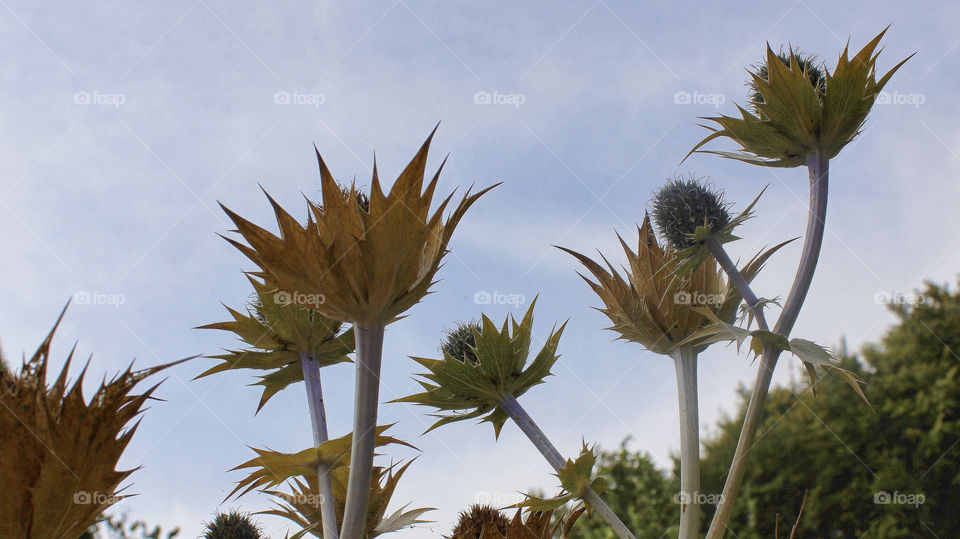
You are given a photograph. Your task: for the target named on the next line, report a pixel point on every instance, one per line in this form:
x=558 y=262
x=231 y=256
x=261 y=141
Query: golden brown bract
x=366 y=266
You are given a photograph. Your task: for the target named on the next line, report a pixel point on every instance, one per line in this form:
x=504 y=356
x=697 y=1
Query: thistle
x=365 y=261
x=485 y=377
x=301 y=505
x=277 y=332
x=292 y=343
x=794 y=118
x=808 y=64
x=232 y=525
x=486 y=522
x=60 y=450
x=665 y=302
x=798 y=121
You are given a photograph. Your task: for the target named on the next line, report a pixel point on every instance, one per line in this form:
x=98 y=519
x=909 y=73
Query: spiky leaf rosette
x=473 y=389
x=654 y=304
x=274 y=467
x=368 y=266
x=576 y=477
x=277 y=330
x=302 y=504
x=232 y=525
x=60 y=451
x=795 y=119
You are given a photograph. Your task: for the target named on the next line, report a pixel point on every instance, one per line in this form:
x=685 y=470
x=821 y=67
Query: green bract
x=474 y=389
x=277 y=330
x=576 y=477
x=795 y=119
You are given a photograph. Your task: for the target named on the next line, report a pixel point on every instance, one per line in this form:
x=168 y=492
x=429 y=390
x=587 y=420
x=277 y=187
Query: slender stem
x=367 y=398
x=549 y=452
x=685 y=360
x=318 y=418
x=818 y=167
x=736 y=278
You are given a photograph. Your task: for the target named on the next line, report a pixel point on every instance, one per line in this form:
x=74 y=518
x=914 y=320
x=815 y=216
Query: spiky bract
x=366 y=266
x=473 y=389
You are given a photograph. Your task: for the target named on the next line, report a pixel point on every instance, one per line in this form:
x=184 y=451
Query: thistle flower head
x=277 y=329
x=232 y=525
x=361 y=259
x=793 y=117
x=461 y=341
x=480 y=521
x=656 y=304
x=682 y=205
x=473 y=389
x=814 y=70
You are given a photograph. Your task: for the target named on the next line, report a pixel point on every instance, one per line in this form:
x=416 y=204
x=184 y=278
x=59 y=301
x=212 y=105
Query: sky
x=124 y=124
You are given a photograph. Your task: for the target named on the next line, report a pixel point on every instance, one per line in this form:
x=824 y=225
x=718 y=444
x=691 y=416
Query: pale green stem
x=685 y=360
x=523 y=420
x=366 y=401
x=318 y=417
x=736 y=278
x=818 y=167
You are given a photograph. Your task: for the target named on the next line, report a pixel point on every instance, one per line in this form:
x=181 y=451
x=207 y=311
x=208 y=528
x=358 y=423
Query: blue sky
x=124 y=124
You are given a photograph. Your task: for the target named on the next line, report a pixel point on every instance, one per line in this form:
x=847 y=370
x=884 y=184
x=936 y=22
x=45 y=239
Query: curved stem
x=736 y=278
x=549 y=452
x=318 y=418
x=366 y=400
x=818 y=167
x=685 y=360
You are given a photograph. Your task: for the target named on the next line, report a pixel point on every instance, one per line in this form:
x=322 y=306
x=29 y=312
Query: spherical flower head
x=232 y=525
x=461 y=342
x=683 y=205
x=816 y=74
x=480 y=521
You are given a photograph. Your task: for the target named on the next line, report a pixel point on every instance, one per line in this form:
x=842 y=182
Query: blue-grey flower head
x=683 y=204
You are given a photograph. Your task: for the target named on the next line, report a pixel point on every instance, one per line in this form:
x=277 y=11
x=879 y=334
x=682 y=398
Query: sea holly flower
x=481 y=364
x=60 y=450
x=302 y=504
x=651 y=305
x=808 y=64
x=795 y=118
x=366 y=260
x=486 y=522
x=277 y=332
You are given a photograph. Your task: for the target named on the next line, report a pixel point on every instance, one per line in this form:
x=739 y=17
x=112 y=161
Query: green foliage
x=853 y=462
x=232 y=525
x=637 y=491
